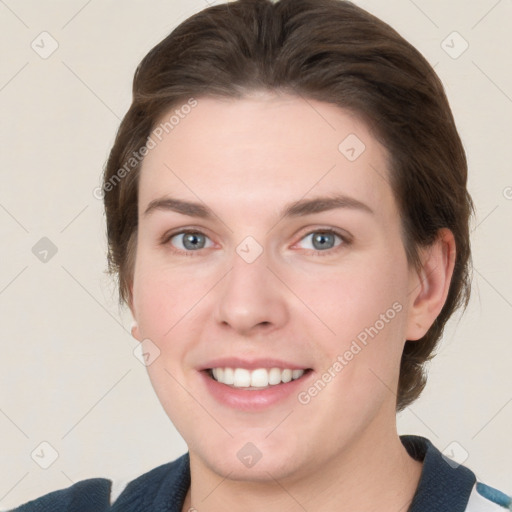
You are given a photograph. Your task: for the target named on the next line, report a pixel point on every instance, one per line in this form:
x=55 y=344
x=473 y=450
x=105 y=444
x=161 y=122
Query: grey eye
x=191 y=240
x=322 y=240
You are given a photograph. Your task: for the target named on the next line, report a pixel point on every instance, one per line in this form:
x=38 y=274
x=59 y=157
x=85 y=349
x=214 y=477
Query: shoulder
x=447 y=486
x=84 y=496
x=167 y=483
x=155 y=489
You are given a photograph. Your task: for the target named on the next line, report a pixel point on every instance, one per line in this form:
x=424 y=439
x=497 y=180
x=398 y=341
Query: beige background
x=68 y=376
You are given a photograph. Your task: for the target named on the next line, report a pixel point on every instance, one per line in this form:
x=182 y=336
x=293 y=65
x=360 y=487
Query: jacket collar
x=444 y=486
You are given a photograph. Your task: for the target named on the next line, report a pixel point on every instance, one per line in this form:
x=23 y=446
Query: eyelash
x=345 y=241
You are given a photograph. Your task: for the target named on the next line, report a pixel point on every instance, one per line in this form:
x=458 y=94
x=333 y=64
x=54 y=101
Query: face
x=262 y=273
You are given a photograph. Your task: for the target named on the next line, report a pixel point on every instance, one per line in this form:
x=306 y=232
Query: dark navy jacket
x=443 y=487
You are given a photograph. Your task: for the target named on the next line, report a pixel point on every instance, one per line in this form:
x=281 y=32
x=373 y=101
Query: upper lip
x=251 y=364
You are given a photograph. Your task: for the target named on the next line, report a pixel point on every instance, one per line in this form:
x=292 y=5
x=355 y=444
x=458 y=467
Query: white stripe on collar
x=478 y=503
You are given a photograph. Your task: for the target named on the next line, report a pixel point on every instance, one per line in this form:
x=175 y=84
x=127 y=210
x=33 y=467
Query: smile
x=259 y=378
x=255 y=390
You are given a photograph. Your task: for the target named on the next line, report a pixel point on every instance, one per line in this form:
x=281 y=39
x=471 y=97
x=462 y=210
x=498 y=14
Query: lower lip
x=253 y=400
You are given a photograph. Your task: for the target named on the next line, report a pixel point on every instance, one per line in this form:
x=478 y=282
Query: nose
x=252 y=298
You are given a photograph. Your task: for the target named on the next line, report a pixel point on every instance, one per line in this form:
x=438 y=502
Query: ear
x=135 y=331
x=430 y=284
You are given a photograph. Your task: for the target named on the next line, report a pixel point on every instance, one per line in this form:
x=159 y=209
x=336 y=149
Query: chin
x=249 y=461
x=262 y=471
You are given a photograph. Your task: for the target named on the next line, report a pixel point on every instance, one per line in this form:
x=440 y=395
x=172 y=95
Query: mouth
x=254 y=385
x=255 y=379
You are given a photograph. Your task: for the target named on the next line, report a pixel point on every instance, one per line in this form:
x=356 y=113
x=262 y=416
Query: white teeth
x=229 y=376
x=287 y=376
x=296 y=374
x=242 y=378
x=259 y=378
x=274 y=376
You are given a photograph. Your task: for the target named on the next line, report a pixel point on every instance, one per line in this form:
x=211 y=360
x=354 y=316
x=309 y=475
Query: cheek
x=163 y=295
x=153 y=305
x=364 y=310
x=350 y=300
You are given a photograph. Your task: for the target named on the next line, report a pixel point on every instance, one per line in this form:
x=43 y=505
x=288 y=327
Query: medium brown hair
x=328 y=50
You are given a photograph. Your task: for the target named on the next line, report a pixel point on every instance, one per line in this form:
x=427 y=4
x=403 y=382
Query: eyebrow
x=298 y=208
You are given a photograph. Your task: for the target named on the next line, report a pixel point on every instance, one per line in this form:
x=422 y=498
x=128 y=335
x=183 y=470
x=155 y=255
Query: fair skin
x=246 y=159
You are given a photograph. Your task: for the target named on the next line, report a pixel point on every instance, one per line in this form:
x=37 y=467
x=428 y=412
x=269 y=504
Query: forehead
x=262 y=151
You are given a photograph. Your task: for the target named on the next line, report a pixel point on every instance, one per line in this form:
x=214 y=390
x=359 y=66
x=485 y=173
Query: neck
x=367 y=476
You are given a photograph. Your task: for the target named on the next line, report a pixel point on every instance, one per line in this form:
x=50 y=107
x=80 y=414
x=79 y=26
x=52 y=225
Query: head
x=246 y=108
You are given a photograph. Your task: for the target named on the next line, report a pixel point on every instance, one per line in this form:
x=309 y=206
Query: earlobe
x=135 y=331
x=135 y=326
x=431 y=284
